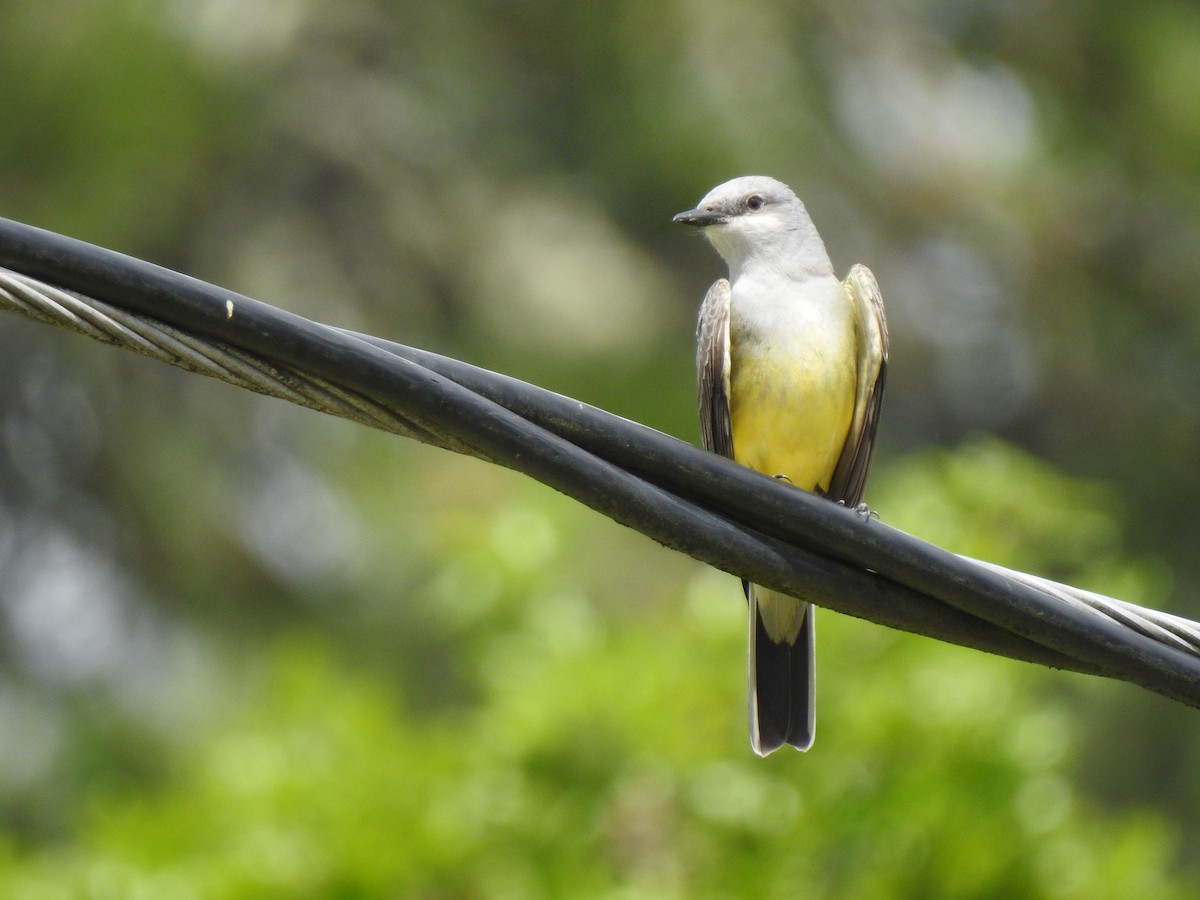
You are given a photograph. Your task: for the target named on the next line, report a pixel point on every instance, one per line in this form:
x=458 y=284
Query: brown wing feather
x=850 y=476
x=712 y=369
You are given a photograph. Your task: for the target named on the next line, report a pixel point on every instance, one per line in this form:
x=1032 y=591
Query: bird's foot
x=864 y=511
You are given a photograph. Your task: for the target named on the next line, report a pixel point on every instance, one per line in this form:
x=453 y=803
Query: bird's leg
x=862 y=509
x=866 y=512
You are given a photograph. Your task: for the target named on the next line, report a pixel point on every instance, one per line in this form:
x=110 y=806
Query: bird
x=791 y=365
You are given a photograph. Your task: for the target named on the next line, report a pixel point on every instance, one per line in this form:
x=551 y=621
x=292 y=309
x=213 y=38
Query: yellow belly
x=790 y=414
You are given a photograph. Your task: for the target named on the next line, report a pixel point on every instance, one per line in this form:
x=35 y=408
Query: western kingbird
x=791 y=366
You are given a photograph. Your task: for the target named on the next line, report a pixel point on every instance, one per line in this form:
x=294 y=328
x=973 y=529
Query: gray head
x=756 y=219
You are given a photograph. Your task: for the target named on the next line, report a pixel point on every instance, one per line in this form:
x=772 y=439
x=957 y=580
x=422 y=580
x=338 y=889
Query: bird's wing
x=712 y=369
x=850 y=476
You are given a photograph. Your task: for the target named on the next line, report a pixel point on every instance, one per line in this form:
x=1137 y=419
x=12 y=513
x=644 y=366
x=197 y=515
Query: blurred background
x=250 y=651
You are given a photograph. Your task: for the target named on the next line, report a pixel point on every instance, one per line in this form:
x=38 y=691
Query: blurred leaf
x=251 y=652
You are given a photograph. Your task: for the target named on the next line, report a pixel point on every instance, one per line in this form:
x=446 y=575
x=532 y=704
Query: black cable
x=685 y=498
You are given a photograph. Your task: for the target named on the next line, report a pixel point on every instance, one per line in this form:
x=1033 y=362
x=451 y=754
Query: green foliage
x=601 y=750
x=250 y=652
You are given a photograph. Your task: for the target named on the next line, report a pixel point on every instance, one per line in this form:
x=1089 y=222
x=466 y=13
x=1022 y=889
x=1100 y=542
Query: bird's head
x=756 y=217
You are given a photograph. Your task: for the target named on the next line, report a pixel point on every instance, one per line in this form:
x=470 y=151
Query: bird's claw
x=866 y=512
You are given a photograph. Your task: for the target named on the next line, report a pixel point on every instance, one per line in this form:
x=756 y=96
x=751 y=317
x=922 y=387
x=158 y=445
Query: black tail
x=781 y=687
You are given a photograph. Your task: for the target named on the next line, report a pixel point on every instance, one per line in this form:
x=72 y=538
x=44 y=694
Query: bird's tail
x=782 y=709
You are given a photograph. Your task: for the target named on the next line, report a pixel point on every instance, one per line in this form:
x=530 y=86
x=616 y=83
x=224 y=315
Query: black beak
x=700 y=217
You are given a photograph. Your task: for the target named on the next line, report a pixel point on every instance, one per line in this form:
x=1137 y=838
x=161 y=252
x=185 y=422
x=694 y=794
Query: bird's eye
x=754 y=203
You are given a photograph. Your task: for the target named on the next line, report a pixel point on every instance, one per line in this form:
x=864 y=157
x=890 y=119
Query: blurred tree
x=246 y=650
x=599 y=747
